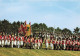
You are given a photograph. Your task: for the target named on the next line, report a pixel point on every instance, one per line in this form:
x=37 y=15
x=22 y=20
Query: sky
x=54 y=13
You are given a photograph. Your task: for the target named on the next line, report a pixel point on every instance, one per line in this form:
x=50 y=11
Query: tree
x=76 y=30
x=50 y=29
x=58 y=30
x=66 y=31
x=41 y=27
x=5 y=26
x=15 y=27
x=35 y=27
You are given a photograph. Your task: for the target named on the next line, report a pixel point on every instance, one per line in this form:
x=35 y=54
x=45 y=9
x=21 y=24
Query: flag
x=25 y=29
x=28 y=30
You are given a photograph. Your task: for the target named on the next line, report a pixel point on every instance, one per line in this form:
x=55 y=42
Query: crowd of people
x=53 y=43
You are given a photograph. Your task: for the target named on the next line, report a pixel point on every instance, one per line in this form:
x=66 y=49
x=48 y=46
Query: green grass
x=33 y=52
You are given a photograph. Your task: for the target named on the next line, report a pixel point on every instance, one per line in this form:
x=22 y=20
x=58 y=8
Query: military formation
x=31 y=42
x=69 y=43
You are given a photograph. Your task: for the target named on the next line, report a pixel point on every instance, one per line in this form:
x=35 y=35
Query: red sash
x=28 y=41
x=46 y=41
x=35 y=41
x=63 y=42
x=0 y=37
x=71 y=42
x=19 y=39
x=53 y=42
x=12 y=39
x=40 y=41
x=23 y=38
x=78 y=43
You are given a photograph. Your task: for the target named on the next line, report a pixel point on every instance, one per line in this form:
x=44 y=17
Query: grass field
x=33 y=52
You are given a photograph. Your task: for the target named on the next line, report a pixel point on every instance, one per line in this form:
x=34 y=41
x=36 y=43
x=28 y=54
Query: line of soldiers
x=63 y=44
x=37 y=43
x=14 y=41
x=20 y=41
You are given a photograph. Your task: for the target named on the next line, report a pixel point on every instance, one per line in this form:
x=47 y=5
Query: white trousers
x=51 y=45
x=21 y=42
x=2 y=43
x=18 y=43
x=64 y=46
x=12 y=44
x=6 y=42
x=15 y=42
x=38 y=45
x=35 y=45
x=46 y=45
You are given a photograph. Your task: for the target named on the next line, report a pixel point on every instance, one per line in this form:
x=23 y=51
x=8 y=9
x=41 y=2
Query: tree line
x=12 y=28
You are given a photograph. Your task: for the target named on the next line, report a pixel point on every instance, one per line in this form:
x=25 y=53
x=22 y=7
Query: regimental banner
x=28 y=32
x=25 y=29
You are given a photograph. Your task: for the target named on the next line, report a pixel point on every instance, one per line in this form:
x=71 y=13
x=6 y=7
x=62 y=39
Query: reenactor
x=79 y=45
x=47 y=43
x=15 y=41
x=57 y=44
x=41 y=43
x=3 y=38
x=63 y=44
x=76 y=45
x=25 y=41
x=51 y=44
x=67 y=44
x=12 y=41
x=28 y=42
x=60 y=44
x=6 y=41
x=51 y=37
x=31 y=42
x=36 y=42
x=71 y=44
x=54 y=43
x=22 y=41
x=18 y=42
x=0 y=40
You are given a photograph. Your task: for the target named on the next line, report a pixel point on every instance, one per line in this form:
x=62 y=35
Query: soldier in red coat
x=60 y=42
x=22 y=41
x=76 y=45
x=9 y=41
x=67 y=44
x=71 y=44
x=18 y=41
x=36 y=42
x=54 y=43
x=3 y=38
x=0 y=40
x=28 y=42
x=41 y=43
x=79 y=46
x=57 y=44
x=6 y=41
x=12 y=41
x=63 y=44
x=46 y=43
